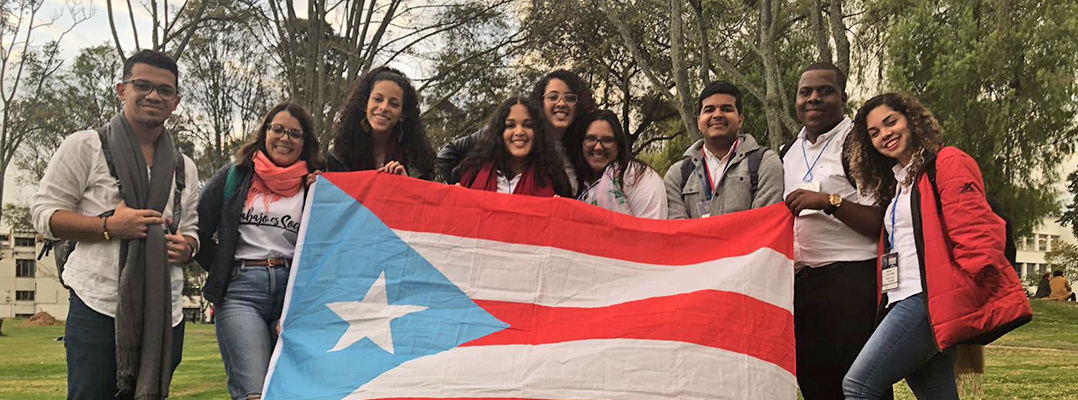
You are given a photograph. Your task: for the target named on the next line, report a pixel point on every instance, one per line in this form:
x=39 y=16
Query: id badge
x=889 y=264
x=703 y=209
x=812 y=187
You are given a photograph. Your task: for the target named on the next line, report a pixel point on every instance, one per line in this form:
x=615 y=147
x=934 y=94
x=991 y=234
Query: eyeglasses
x=280 y=130
x=145 y=87
x=553 y=97
x=607 y=142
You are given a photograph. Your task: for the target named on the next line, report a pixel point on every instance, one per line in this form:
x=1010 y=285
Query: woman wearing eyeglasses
x=249 y=219
x=380 y=129
x=515 y=155
x=611 y=178
x=565 y=98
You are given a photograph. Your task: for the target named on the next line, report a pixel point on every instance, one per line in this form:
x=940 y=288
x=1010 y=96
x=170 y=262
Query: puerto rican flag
x=407 y=289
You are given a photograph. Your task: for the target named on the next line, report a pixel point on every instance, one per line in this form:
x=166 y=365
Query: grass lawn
x=1038 y=361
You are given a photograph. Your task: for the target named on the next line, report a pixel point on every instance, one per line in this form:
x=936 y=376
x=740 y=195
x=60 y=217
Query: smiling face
x=518 y=134
x=819 y=101
x=281 y=147
x=600 y=145
x=559 y=110
x=719 y=120
x=890 y=133
x=148 y=110
x=384 y=106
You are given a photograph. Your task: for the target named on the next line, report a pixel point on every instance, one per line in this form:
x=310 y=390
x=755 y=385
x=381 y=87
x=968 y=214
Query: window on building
x=1020 y=243
x=25 y=242
x=24 y=268
x=24 y=295
x=1042 y=242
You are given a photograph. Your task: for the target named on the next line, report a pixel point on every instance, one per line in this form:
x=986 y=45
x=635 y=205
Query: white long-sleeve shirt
x=78 y=180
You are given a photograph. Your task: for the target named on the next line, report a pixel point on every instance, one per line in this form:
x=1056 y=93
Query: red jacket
x=974 y=294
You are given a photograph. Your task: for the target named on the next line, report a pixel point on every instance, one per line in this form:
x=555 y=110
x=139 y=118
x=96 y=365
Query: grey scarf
x=144 y=310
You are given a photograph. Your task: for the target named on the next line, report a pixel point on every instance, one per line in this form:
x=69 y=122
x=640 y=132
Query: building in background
x=28 y=285
x=1031 y=249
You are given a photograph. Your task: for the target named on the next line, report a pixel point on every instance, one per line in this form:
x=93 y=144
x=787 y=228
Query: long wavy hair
x=872 y=170
x=256 y=141
x=353 y=144
x=625 y=160
x=585 y=106
x=543 y=159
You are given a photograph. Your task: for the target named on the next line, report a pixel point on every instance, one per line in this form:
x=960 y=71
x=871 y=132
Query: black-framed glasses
x=145 y=87
x=607 y=142
x=553 y=97
x=280 y=130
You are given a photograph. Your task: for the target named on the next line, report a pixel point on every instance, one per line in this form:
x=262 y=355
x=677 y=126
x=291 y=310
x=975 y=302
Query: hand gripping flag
x=406 y=289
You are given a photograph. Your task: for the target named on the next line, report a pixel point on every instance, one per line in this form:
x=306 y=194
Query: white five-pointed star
x=370 y=318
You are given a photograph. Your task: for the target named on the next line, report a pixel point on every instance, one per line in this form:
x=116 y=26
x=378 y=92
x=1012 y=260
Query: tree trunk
x=769 y=12
x=838 y=34
x=681 y=73
x=820 y=29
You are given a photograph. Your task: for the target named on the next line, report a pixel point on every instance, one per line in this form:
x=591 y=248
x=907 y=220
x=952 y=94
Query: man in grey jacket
x=725 y=171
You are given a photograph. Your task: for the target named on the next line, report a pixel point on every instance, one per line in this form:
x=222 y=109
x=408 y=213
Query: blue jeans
x=903 y=346
x=90 y=340
x=247 y=326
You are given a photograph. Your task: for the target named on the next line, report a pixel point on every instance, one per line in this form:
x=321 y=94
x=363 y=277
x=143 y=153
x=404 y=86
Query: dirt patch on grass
x=43 y=319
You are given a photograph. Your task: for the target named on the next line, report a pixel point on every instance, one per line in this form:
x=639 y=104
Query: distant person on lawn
x=1061 y=287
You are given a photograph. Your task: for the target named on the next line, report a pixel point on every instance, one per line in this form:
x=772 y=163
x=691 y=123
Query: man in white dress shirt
x=835 y=235
x=115 y=191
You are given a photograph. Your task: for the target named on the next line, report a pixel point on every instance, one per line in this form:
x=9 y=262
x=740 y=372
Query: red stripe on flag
x=723 y=320
x=409 y=204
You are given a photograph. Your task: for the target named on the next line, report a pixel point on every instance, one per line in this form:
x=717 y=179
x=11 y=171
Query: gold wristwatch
x=836 y=202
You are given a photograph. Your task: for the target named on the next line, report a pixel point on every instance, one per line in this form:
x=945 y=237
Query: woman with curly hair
x=515 y=155
x=942 y=264
x=249 y=218
x=611 y=177
x=379 y=128
x=566 y=100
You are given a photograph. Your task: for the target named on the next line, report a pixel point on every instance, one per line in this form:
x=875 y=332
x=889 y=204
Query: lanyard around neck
x=709 y=186
x=894 y=210
x=809 y=176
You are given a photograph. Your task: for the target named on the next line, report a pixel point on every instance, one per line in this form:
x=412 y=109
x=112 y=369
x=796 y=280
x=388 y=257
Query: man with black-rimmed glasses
x=120 y=193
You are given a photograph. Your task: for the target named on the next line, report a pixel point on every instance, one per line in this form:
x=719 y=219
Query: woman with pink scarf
x=252 y=214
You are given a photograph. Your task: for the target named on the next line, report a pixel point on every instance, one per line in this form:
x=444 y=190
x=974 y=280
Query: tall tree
x=1000 y=77
x=171 y=28
x=25 y=68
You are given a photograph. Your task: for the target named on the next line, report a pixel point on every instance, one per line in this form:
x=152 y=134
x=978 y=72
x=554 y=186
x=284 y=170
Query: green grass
x=1038 y=361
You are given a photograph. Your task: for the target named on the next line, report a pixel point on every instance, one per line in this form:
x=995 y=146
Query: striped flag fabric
x=405 y=289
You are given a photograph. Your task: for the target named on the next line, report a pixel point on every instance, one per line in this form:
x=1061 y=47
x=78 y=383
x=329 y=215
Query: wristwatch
x=835 y=201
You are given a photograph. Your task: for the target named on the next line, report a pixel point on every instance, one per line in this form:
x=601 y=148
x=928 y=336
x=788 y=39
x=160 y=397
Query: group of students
x=888 y=221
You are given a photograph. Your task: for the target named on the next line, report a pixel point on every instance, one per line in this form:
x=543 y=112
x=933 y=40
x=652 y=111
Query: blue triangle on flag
x=346 y=247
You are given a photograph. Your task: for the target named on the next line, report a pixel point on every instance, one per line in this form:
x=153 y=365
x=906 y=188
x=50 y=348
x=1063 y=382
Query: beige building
x=28 y=285
x=1031 y=249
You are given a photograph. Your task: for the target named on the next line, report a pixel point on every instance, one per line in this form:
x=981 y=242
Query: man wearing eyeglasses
x=120 y=192
x=725 y=171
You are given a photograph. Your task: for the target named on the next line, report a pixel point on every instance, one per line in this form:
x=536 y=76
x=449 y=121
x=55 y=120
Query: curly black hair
x=543 y=159
x=872 y=170
x=353 y=146
x=585 y=106
x=625 y=159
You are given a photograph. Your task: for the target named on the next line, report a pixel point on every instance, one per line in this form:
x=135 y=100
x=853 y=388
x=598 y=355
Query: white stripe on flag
x=489 y=270
x=594 y=369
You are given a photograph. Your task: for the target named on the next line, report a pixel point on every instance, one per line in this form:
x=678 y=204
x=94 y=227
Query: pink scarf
x=273 y=181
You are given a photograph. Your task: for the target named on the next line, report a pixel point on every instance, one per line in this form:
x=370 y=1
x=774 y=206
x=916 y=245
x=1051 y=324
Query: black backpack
x=1009 y=250
x=754 y=157
x=62 y=248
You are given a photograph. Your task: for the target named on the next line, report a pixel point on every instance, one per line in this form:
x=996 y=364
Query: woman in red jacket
x=943 y=273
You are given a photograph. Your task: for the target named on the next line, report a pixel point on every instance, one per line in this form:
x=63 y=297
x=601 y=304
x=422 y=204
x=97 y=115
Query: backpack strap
x=108 y=158
x=786 y=147
x=231 y=181
x=686 y=171
x=755 y=157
